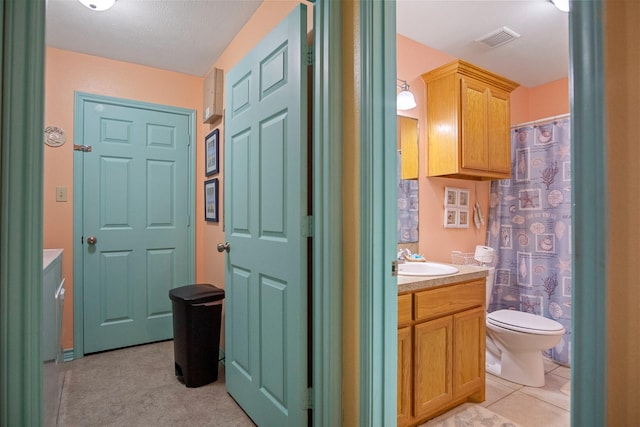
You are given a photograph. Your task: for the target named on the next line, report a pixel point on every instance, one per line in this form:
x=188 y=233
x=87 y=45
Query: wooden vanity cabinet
x=441 y=345
x=468 y=121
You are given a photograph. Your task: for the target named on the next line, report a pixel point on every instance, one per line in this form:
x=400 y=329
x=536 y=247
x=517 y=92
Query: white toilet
x=515 y=342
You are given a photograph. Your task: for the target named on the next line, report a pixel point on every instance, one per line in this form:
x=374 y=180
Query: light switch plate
x=61 y=194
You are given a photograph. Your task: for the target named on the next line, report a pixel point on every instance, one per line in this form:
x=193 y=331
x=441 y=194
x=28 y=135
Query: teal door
x=265 y=181
x=135 y=220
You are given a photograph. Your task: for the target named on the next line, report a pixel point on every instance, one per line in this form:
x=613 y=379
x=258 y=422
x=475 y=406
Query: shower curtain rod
x=546 y=119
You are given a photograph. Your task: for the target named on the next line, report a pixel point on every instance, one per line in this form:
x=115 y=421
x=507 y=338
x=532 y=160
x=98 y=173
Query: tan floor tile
x=495 y=390
x=529 y=411
x=506 y=383
x=549 y=365
x=551 y=392
x=562 y=371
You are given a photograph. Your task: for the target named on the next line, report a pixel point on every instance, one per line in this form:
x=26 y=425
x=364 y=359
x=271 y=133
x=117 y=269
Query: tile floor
x=531 y=406
x=137 y=386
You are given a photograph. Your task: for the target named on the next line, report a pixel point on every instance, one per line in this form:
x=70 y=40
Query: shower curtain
x=530 y=228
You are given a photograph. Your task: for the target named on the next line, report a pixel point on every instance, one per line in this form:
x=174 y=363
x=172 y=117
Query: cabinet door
x=499 y=141
x=405 y=362
x=469 y=354
x=432 y=353
x=474 y=153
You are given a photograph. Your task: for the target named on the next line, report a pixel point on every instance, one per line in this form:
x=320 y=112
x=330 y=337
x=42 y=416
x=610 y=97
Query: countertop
x=465 y=273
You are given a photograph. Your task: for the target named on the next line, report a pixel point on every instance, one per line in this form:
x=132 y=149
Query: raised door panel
x=432 y=352
x=469 y=354
x=474 y=152
x=442 y=126
x=404 y=309
x=405 y=371
x=498 y=119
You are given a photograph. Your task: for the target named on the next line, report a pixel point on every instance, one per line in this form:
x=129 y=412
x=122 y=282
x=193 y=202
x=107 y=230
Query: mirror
x=407 y=179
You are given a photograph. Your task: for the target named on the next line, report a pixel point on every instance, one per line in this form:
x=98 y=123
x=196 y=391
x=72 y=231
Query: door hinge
x=308 y=227
x=309 y=398
x=188 y=220
x=85 y=148
x=394 y=268
x=309 y=55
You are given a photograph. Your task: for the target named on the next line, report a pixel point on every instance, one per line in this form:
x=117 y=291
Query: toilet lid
x=524 y=322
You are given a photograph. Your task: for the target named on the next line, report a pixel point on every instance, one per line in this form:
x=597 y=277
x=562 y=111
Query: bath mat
x=470 y=416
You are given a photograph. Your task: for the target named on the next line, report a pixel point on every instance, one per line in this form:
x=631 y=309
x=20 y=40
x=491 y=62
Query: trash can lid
x=196 y=294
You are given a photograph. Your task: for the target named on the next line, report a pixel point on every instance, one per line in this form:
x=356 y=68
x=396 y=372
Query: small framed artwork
x=463 y=219
x=450 y=197
x=450 y=218
x=211 y=200
x=456 y=207
x=463 y=198
x=212 y=151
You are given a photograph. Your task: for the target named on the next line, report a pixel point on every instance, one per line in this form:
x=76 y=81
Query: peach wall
x=547 y=100
x=527 y=104
x=65 y=73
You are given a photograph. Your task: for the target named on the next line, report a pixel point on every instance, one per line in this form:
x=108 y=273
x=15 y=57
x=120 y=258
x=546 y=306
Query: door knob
x=92 y=240
x=224 y=247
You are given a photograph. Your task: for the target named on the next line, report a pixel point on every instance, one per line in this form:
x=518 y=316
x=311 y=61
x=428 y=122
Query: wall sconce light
x=98 y=5
x=562 y=5
x=405 y=99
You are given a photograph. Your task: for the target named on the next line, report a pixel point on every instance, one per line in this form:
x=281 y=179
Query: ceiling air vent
x=499 y=37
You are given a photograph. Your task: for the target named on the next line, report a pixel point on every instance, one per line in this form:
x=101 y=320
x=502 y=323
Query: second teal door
x=135 y=220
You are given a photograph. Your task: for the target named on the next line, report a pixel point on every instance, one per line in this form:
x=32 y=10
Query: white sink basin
x=425 y=269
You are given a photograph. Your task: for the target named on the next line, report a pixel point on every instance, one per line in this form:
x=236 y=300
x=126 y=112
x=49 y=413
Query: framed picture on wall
x=450 y=218
x=463 y=219
x=212 y=151
x=450 y=197
x=463 y=198
x=211 y=200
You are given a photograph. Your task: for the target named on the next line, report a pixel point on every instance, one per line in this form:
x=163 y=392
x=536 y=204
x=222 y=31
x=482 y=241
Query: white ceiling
x=188 y=36
x=540 y=55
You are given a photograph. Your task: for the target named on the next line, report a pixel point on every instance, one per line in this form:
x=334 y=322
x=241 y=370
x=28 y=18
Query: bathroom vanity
x=441 y=343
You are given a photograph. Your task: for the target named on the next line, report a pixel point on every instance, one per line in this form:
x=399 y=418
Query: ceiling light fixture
x=562 y=5
x=98 y=5
x=405 y=99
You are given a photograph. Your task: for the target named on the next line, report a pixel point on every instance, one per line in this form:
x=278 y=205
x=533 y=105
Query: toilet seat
x=524 y=322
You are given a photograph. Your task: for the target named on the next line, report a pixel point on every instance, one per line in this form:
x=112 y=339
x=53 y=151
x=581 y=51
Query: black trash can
x=197 y=314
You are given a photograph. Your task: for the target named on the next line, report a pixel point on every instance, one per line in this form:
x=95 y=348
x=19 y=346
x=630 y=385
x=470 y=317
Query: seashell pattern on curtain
x=529 y=226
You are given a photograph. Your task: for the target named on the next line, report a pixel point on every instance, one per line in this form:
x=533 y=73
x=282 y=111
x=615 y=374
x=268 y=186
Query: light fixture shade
x=562 y=5
x=98 y=5
x=405 y=100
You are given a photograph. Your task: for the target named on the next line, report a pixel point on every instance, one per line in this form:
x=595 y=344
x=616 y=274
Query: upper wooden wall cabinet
x=212 y=96
x=468 y=121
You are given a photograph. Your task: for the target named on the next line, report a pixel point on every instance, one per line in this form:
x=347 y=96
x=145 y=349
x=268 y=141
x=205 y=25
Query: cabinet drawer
x=449 y=299
x=404 y=309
